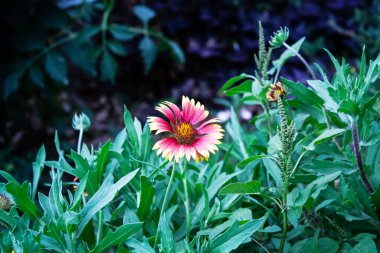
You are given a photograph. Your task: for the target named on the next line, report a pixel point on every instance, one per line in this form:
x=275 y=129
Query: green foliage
x=95 y=47
x=303 y=177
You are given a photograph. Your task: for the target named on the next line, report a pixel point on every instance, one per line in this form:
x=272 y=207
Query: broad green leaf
x=22 y=199
x=366 y=245
x=247 y=161
x=51 y=244
x=108 y=66
x=251 y=187
x=36 y=75
x=122 y=32
x=166 y=235
x=284 y=57
x=102 y=197
x=302 y=93
x=176 y=52
x=376 y=197
x=146 y=198
x=55 y=66
x=326 y=244
x=117 y=48
x=121 y=234
x=242 y=83
x=12 y=83
x=349 y=107
x=326 y=135
x=143 y=13
x=235 y=235
x=148 y=52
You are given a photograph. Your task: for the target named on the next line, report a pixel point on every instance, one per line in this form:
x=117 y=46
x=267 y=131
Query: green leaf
x=6 y=217
x=38 y=166
x=148 y=52
x=55 y=66
x=247 y=161
x=176 y=52
x=349 y=107
x=108 y=67
x=376 y=197
x=121 y=234
x=326 y=135
x=144 y=13
x=250 y=187
x=140 y=247
x=36 y=75
x=284 y=57
x=22 y=199
x=366 y=245
x=302 y=93
x=12 y=83
x=122 y=32
x=146 y=198
x=102 y=159
x=235 y=235
x=117 y=48
x=102 y=197
x=242 y=83
x=130 y=127
x=326 y=244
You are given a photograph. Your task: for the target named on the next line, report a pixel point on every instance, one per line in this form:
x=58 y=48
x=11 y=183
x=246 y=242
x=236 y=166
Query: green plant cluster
x=75 y=36
x=302 y=177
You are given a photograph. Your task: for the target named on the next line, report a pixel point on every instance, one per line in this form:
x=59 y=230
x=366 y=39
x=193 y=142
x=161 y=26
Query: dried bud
x=5 y=202
x=275 y=90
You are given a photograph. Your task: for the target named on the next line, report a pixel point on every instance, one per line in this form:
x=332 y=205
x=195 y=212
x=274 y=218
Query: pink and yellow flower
x=186 y=132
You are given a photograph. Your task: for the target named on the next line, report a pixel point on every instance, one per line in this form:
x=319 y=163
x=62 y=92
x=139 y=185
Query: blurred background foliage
x=62 y=57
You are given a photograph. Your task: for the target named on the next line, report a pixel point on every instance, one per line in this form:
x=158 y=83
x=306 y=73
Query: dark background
x=218 y=39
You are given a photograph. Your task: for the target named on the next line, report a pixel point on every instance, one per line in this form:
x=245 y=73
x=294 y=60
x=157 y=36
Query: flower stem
x=187 y=203
x=164 y=203
x=301 y=59
x=358 y=157
x=284 y=215
x=80 y=140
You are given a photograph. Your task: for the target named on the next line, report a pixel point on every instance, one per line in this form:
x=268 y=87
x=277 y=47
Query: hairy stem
x=164 y=203
x=302 y=60
x=358 y=157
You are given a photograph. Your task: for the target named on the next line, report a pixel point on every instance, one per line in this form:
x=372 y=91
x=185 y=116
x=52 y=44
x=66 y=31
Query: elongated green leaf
x=102 y=159
x=140 y=247
x=38 y=166
x=250 y=187
x=247 y=161
x=304 y=94
x=122 y=32
x=237 y=81
x=108 y=67
x=22 y=199
x=326 y=135
x=102 y=197
x=148 y=53
x=235 y=235
x=284 y=57
x=121 y=234
x=146 y=198
x=129 y=125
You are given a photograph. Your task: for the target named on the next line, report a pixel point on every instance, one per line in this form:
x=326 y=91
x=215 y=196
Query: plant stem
x=163 y=207
x=284 y=215
x=187 y=203
x=80 y=140
x=302 y=60
x=358 y=156
x=268 y=120
x=100 y=227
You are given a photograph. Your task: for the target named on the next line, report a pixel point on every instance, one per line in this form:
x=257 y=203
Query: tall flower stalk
x=186 y=133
